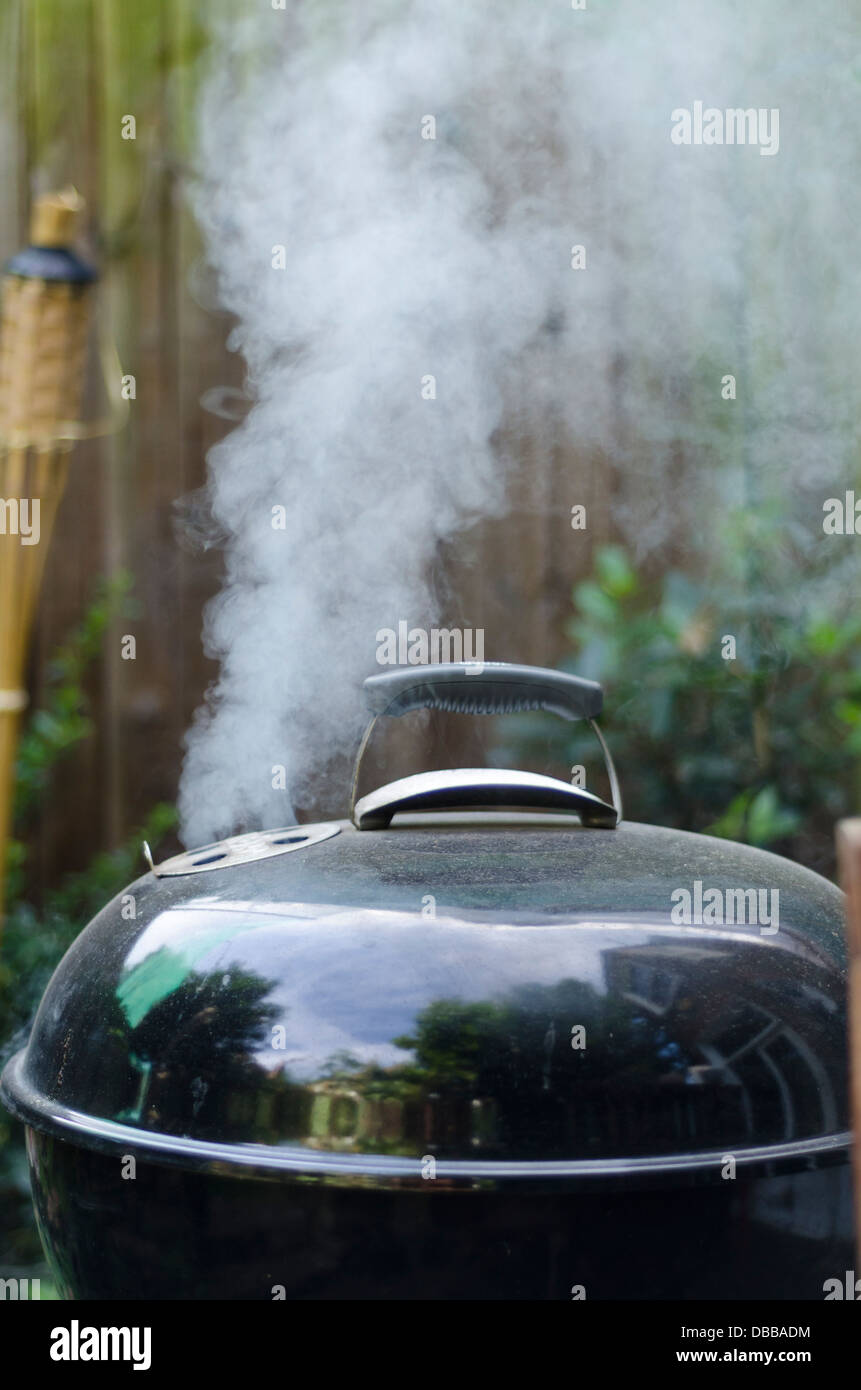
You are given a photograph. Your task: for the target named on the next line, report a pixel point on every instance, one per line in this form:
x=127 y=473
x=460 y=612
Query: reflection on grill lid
x=504 y=1000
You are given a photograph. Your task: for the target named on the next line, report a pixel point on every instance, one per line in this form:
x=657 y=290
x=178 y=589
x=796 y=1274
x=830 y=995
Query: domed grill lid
x=494 y=997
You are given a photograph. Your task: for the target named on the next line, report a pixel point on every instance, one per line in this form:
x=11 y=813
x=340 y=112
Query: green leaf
x=616 y=574
x=756 y=818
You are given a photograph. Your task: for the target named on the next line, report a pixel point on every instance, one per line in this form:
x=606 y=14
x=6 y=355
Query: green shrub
x=33 y=941
x=761 y=748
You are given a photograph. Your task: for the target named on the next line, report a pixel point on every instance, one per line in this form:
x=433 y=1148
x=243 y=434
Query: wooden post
x=849 y=858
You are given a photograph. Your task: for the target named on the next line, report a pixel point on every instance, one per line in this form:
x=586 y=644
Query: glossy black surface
x=377 y=999
x=347 y=1071
x=173 y=1234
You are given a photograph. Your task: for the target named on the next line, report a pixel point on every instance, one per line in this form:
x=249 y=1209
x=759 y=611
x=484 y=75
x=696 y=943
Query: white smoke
x=450 y=257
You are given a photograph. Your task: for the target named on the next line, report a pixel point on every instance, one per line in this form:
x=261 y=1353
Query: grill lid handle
x=483 y=687
x=470 y=787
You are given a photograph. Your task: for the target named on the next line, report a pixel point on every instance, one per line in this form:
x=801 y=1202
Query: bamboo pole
x=849 y=858
x=43 y=337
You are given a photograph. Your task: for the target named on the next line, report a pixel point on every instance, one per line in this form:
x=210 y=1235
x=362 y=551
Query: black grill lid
x=471 y=998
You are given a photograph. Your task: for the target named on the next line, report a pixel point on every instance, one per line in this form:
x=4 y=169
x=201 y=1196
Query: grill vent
x=244 y=849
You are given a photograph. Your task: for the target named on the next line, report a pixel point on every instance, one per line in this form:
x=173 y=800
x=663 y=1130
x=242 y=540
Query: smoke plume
x=428 y=168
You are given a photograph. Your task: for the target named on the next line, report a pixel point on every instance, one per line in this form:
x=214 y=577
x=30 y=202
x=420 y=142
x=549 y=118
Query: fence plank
x=513 y=575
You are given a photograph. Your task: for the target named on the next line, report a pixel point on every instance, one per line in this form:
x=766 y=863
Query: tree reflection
x=196 y=1052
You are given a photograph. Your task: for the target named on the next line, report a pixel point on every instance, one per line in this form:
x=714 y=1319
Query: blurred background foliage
x=40 y=925
x=757 y=742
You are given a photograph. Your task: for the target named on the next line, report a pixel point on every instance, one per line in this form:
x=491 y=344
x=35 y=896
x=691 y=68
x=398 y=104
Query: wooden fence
x=70 y=72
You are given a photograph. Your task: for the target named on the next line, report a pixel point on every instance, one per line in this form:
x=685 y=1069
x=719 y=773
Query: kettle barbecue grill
x=464 y=1044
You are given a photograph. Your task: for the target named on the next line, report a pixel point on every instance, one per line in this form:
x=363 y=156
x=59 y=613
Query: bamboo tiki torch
x=43 y=342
